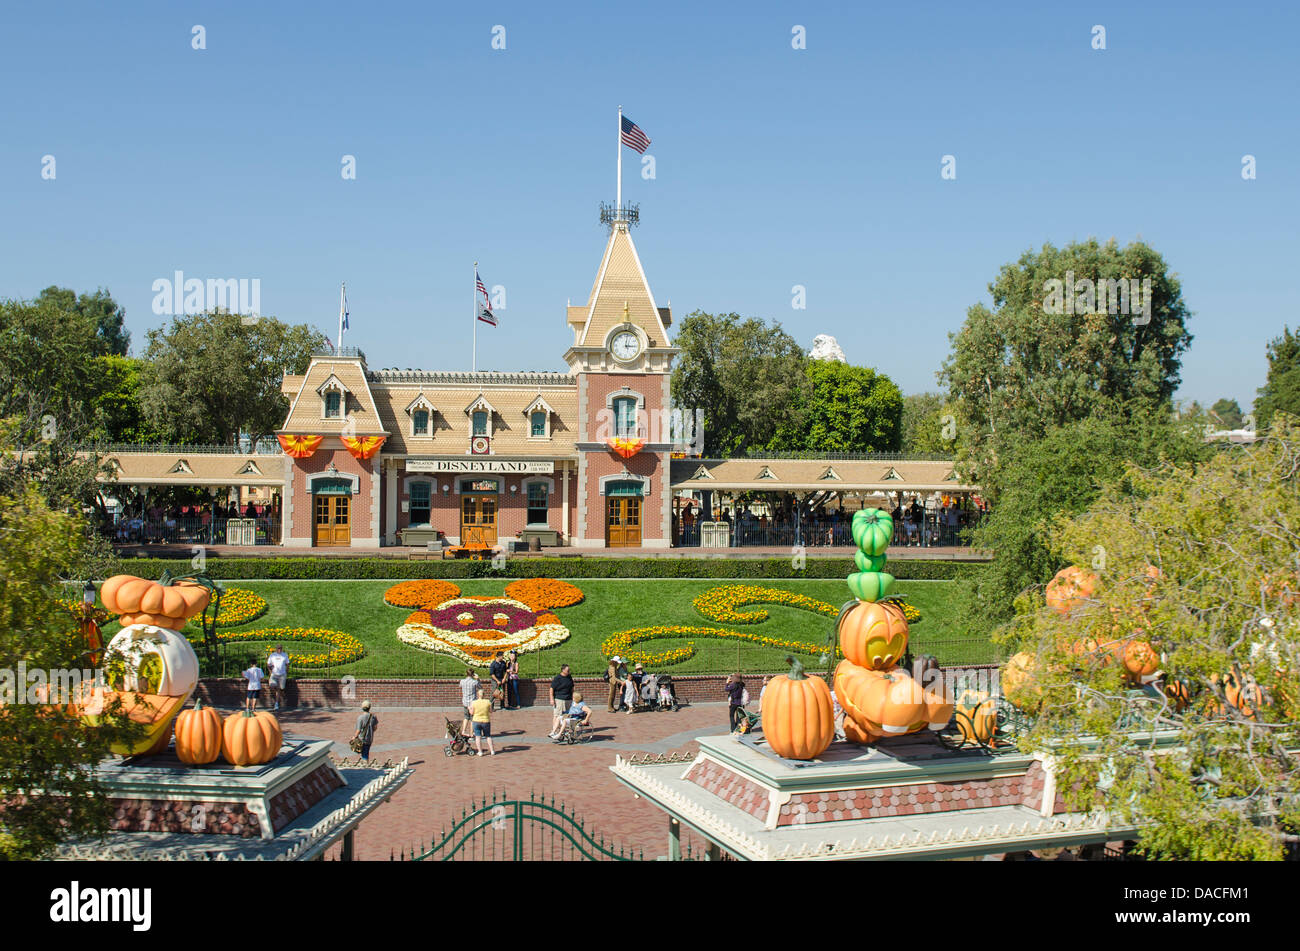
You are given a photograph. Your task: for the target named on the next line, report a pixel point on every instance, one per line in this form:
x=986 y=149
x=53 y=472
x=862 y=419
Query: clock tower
x=622 y=359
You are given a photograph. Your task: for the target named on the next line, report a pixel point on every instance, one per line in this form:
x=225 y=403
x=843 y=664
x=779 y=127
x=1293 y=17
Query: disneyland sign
x=478 y=465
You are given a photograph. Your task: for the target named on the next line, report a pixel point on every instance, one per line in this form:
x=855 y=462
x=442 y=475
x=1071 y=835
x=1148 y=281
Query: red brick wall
x=331 y=450
x=601 y=464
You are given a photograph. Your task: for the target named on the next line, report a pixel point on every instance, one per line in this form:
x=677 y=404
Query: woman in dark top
x=735 y=688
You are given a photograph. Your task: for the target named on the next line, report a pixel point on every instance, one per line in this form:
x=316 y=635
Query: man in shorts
x=468 y=692
x=254 y=676
x=277 y=668
x=561 y=695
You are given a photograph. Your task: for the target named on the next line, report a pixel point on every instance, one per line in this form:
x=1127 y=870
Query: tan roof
x=450 y=425
x=181 y=467
x=855 y=475
x=620 y=280
x=291 y=383
x=307 y=410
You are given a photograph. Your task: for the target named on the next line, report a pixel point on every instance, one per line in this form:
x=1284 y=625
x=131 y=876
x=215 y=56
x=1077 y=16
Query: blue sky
x=774 y=166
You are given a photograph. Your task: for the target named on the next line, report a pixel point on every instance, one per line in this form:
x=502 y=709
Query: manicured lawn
x=358 y=608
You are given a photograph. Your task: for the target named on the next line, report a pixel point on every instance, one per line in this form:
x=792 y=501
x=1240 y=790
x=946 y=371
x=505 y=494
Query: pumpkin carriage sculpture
x=152 y=671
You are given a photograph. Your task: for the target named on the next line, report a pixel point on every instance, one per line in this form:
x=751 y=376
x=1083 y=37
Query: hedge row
x=233 y=569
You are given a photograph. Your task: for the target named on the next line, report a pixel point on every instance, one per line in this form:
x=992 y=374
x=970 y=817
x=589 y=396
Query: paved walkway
x=526 y=760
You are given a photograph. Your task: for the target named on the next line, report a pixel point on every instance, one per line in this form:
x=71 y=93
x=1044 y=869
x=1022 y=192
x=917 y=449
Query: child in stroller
x=667 y=693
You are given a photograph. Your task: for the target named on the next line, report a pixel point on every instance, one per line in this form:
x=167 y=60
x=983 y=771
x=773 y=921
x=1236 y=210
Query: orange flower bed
x=420 y=593
x=542 y=593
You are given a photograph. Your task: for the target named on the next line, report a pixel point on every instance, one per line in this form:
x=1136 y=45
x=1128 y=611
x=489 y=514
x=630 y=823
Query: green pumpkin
x=867 y=562
x=872 y=531
x=870 y=585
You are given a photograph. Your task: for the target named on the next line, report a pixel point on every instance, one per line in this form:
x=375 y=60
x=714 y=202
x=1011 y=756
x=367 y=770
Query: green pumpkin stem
x=796 y=668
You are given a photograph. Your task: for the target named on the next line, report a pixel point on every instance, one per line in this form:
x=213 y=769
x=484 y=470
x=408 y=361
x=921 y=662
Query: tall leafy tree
x=1227 y=413
x=47 y=782
x=118 y=402
x=746 y=376
x=1281 y=390
x=844 y=409
x=1038 y=479
x=107 y=315
x=1021 y=369
x=929 y=424
x=211 y=377
x=1222 y=537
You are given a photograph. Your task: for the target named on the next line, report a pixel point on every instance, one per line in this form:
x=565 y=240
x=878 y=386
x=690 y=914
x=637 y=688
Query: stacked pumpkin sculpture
x=878 y=697
x=153 y=671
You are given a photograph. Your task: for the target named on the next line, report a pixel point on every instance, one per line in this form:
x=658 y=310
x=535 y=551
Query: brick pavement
x=526 y=760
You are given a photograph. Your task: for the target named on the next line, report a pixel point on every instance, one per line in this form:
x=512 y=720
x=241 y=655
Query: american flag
x=485 y=312
x=633 y=137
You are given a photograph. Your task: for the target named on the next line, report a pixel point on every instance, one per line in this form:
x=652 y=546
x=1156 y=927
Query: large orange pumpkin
x=872 y=634
x=1140 y=660
x=141 y=601
x=977 y=716
x=1018 y=681
x=250 y=738
x=1069 y=588
x=880 y=701
x=198 y=735
x=798 y=718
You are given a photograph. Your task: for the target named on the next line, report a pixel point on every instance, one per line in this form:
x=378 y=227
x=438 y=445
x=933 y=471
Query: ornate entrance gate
x=521 y=830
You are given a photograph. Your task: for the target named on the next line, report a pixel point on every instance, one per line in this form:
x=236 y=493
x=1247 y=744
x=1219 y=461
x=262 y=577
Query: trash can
x=535 y=543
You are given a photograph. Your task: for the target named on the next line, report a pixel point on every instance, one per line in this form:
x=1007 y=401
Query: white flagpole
x=473 y=313
x=342 y=297
x=618 y=201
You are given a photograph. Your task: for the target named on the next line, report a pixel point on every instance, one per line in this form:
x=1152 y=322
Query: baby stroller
x=666 y=694
x=457 y=742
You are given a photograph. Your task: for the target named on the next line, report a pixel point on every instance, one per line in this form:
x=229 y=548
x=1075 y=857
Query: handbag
x=357 y=743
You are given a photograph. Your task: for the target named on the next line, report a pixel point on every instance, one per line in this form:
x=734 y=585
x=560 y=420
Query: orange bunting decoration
x=299 y=447
x=625 y=447
x=364 y=447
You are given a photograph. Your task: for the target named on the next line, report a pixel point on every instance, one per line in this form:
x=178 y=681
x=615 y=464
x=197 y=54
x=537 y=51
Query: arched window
x=538 y=421
x=625 y=416
x=421 y=418
x=333 y=403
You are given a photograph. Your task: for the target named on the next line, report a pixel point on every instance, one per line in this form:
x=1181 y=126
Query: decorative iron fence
x=197 y=530
x=521 y=830
x=925 y=533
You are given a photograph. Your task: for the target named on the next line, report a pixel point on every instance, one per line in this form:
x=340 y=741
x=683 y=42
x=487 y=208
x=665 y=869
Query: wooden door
x=478 y=520
x=332 y=517
x=623 y=524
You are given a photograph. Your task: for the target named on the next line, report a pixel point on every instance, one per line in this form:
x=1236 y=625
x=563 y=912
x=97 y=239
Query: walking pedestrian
x=481 y=713
x=737 y=697
x=254 y=676
x=367 y=723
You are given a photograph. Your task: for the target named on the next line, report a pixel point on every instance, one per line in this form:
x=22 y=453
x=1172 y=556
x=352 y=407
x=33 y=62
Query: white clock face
x=625 y=346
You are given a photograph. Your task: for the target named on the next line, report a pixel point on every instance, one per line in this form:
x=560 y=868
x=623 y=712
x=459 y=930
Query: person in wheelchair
x=578 y=715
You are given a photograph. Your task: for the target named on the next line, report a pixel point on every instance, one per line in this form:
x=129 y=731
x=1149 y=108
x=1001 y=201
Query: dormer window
x=480 y=417
x=333 y=396
x=538 y=413
x=480 y=423
x=421 y=412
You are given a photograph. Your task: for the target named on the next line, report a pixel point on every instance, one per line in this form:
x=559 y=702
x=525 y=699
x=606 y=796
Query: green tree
x=748 y=378
x=844 y=409
x=1221 y=611
x=47 y=359
x=119 y=407
x=1037 y=479
x=47 y=782
x=1281 y=390
x=1018 y=370
x=1226 y=413
x=929 y=424
x=211 y=377
x=108 y=317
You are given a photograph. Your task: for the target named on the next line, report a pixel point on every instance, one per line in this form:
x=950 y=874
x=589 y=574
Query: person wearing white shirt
x=254 y=676
x=277 y=666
